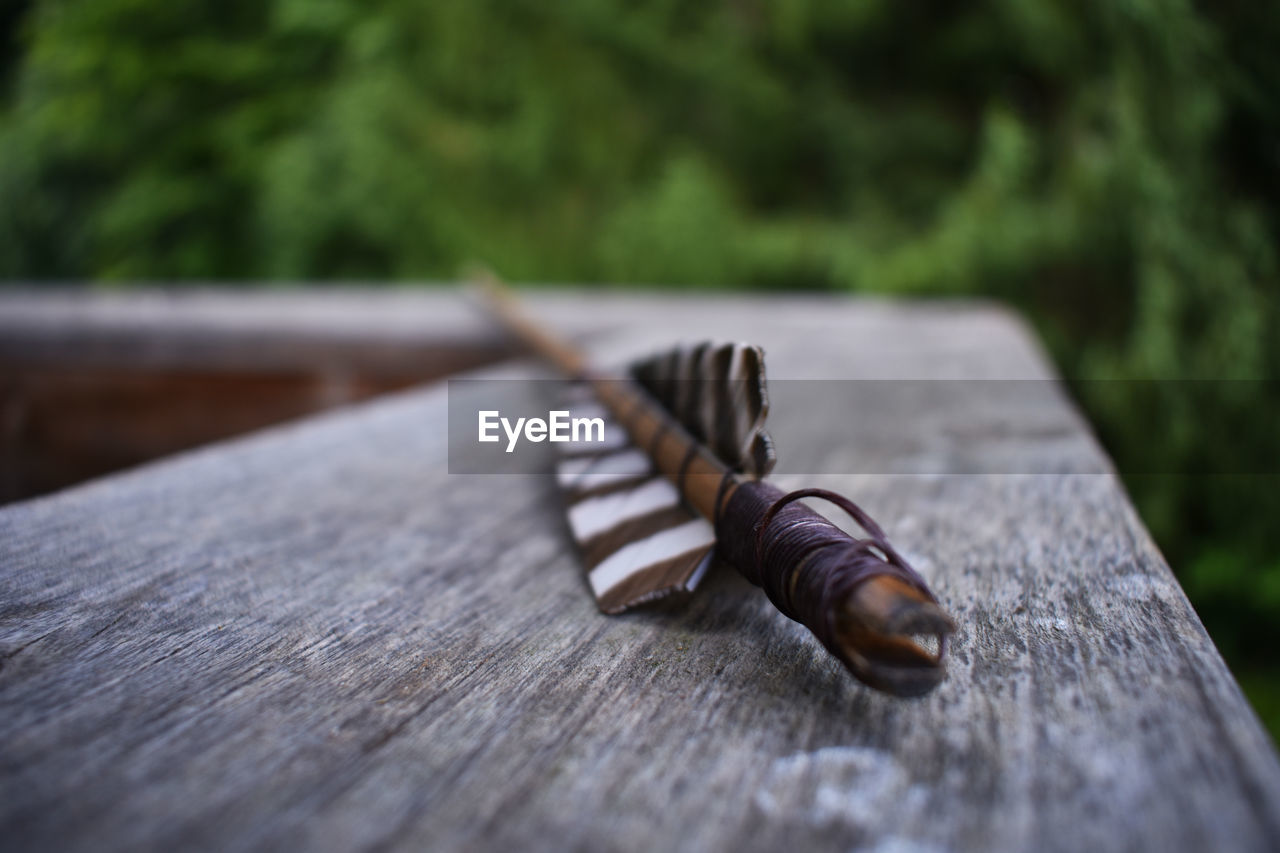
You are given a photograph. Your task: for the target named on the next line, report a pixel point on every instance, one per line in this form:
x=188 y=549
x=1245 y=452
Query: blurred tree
x=1111 y=168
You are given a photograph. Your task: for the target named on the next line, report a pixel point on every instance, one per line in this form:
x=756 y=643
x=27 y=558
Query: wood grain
x=316 y=637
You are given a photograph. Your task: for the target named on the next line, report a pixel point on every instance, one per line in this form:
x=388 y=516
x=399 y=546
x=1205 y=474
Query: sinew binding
x=679 y=478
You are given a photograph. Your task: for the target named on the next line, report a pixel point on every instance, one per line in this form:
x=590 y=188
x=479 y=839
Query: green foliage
x=1110 y=168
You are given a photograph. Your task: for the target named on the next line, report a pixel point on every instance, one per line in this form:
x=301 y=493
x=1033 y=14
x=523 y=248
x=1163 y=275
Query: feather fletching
x=639 y=541
x=718 y=393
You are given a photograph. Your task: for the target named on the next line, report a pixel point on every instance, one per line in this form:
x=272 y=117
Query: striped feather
x=638 y=540
x=717 y=392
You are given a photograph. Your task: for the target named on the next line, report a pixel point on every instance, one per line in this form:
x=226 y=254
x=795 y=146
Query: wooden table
x=315 y=637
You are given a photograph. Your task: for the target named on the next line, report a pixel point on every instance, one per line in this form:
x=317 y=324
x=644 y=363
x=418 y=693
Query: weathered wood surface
x=92 y=383
x=388 y=332
x=316 y=637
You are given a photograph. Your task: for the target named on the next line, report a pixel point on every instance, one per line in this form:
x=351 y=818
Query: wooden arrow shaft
x=700 y=477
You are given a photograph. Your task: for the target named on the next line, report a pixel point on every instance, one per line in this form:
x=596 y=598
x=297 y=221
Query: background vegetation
x=1110 y=167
